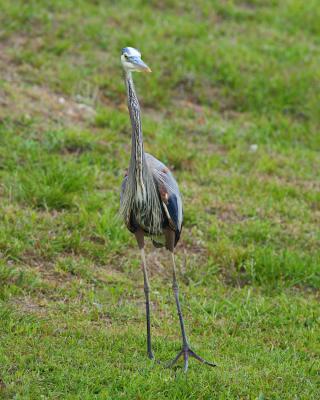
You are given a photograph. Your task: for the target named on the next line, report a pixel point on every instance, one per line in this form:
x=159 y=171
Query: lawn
x=232 y=107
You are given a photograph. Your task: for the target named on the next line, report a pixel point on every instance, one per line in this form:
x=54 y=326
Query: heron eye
x=126 y=56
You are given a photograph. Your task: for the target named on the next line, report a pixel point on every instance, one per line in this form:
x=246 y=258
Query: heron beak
x=139 y=64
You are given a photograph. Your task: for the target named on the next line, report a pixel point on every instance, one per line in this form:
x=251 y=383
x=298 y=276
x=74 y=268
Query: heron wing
x=169 y=193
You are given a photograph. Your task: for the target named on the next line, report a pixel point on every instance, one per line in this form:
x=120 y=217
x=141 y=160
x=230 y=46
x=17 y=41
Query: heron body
x=163 y=212
x=150 y=200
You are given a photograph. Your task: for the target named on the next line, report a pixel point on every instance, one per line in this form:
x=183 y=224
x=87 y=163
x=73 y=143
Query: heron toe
x=186 y=352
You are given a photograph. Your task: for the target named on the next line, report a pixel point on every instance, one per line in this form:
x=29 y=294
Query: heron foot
x=185 y=353
x=151 y=355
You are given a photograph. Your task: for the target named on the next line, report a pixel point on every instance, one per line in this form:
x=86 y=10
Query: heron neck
x=137 y=153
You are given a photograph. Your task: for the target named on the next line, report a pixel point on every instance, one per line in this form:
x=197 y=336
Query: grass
x=232 y=107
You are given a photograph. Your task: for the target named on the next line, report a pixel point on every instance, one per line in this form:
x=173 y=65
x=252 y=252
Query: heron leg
x=140 y=240
x=147 y=295
x=186 y=350
x=175 y=288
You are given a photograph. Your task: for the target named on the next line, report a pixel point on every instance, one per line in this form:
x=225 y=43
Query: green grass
x=232 y=106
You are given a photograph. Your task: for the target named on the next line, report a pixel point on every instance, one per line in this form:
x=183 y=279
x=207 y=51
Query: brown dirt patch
x=29 y=305
x=21 y=100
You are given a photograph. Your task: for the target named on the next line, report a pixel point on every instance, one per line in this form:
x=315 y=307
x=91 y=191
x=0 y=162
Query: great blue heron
x=150 y=201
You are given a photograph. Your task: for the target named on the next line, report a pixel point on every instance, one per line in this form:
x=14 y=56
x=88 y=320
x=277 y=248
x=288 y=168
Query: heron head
x=131 y=60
